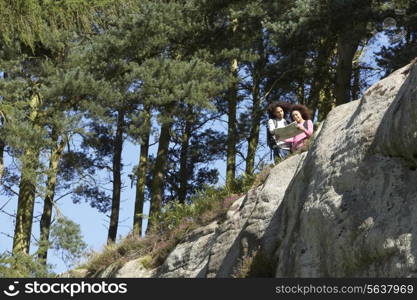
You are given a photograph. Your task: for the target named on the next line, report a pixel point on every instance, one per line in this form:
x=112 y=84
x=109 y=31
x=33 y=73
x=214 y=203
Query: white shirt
x=272 y=125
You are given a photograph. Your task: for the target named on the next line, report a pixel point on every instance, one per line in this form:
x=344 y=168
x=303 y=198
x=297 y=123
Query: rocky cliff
x=347 y=207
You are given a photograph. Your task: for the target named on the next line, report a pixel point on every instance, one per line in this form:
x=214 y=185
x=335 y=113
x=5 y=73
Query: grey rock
x=135 y=269
x=352 y=210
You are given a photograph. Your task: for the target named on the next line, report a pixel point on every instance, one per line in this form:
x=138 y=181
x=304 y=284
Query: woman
x=301 y=115
x=277 y=112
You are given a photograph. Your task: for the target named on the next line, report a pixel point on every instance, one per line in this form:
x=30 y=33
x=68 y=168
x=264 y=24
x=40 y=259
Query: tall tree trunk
x=45 y=223
x=254 y=131
x=2 y=146
x=183 y=172
x=25 y=203
x=257 y=112
x=157 y=187
x=321 y=72
x=117 y=177
x=231 y=128
x=324 y=105
x=232 y=99
x=326 y=99
x=27 y=189
x=141 y=173
x=356 y=86
x=346 y=49
x=300 y=92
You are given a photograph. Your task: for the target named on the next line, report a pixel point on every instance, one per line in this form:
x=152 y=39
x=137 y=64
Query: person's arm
x=289 y=140
x=309 y=131
x=271 y=126
x=310 y=128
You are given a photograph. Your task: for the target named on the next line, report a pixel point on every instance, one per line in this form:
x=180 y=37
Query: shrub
x=169 y=228
x=257 y=264
x=113 y=253
x=67 y=241
x=23 y=266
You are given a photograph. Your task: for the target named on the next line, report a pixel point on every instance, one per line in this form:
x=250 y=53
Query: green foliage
x=31 y=20
x=175 y=213
x=257 y=264
x=23 y=265
x=114 y=254
x=193 y=81
x=204 y=147
x=246 y=182
x=66 y=240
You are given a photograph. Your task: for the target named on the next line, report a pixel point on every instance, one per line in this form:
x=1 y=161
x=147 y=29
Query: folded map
x=287 y=131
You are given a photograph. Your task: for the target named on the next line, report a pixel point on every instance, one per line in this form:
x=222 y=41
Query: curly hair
x=286 y=107
x=304 y=111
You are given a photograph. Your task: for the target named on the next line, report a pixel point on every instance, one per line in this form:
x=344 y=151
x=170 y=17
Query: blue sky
x=94 y=225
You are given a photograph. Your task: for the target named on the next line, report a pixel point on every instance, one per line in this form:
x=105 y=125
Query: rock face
x=217 y=249
x=346 y=208
x=352 y=210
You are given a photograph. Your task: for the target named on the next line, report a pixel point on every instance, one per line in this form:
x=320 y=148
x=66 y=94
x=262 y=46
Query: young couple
x=282 y=114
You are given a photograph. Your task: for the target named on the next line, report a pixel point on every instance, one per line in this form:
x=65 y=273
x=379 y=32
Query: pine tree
x=46 y=219
x=27 y=187
x=142 y=170
x=33 y=36
x=401 y=52
x=2 y=148
x=194 y=147
x=168 y=81
x=116 y=57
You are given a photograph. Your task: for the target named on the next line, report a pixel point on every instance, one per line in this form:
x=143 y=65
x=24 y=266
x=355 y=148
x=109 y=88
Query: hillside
x=347 y=207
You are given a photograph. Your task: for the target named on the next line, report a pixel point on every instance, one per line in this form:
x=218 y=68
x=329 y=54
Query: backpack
x=270 y=141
